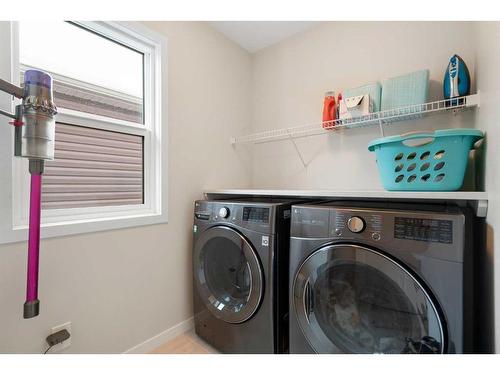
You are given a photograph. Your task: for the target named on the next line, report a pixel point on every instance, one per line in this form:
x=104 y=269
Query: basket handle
x=417 y=134
x=426 y=137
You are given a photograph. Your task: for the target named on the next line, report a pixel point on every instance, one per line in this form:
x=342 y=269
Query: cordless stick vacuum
x=34 y=138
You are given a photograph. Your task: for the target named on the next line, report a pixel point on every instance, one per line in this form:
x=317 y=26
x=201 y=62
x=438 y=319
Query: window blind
x=93 y=167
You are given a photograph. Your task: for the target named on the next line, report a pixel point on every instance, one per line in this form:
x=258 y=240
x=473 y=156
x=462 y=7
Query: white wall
x=488 y=61
x=121 y=287
x=290 y=79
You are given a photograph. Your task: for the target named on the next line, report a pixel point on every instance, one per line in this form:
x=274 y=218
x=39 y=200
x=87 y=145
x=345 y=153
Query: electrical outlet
x=65 y=344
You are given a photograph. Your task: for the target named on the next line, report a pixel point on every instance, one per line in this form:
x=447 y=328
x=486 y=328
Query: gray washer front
x=376 y=280
x=235 y=256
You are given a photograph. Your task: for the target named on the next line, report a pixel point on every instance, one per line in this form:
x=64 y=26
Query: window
x=107 y=170
x=92 y=73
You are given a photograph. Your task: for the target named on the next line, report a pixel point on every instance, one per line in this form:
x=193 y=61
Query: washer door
x=351 y=299
x=228 y=274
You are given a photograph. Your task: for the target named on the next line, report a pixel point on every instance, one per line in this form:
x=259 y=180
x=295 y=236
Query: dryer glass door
x=351 y=299
x=227 y=274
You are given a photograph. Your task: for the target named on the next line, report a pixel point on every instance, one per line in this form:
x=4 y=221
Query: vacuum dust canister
x=35 y=139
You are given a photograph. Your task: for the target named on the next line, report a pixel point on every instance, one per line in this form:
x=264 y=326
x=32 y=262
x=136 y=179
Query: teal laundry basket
x=425 y=161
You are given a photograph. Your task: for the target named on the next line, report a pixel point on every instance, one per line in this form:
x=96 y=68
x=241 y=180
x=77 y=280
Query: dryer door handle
x=308 y=300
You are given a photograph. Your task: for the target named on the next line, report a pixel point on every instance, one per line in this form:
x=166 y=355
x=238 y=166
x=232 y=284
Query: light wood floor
x=185 y=343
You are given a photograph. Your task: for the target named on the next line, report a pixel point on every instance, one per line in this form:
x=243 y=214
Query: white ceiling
x=255 y=35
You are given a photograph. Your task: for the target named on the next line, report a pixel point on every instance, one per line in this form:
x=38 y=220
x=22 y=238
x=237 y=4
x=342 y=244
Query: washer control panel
x=346 y=223
x=399 y=229
x=254 y=216
x=428 y=230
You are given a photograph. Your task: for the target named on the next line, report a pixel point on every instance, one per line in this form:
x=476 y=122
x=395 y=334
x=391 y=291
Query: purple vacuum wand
x=34 y=138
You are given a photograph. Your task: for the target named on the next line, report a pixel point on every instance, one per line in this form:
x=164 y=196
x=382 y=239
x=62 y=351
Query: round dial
x=356 y=224
x=224 y=212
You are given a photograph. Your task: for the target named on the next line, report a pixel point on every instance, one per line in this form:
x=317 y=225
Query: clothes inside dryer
x=364 y=311
x=352 y=299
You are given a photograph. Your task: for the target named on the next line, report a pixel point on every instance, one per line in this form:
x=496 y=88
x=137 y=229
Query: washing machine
x=240 y=255
x=381 y=278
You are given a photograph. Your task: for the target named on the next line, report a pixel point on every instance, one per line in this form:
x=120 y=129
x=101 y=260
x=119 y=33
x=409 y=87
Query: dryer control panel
x=436 y=233
x=429 y=230
x=356 y=224
x=254 y=216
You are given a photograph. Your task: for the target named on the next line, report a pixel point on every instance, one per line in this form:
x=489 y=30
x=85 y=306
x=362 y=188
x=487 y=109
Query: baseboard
x=161 y=338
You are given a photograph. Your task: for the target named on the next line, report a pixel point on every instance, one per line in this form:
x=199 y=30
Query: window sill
x=98 y=224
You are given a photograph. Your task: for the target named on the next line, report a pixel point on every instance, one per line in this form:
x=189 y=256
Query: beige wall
x=488 y=61
x=121 y=287
x=290 y=79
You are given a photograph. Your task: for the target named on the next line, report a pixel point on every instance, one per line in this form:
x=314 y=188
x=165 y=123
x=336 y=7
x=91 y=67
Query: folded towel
x=406 y=90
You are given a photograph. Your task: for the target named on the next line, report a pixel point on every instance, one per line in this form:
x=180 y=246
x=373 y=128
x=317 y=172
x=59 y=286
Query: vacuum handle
x=32 y=304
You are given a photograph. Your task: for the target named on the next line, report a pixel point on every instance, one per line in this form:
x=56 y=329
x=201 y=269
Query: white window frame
x=59 y=222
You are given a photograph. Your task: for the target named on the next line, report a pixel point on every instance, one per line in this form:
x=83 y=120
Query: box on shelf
x=355 y=106
x=374 y=90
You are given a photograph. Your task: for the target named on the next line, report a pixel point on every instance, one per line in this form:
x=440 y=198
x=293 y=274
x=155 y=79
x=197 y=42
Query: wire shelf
x=377 y=118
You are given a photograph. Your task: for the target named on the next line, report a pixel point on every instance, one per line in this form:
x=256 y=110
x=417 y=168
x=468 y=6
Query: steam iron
x=456 y=80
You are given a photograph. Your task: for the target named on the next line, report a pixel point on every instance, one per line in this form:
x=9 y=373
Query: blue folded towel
x=406 y=90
